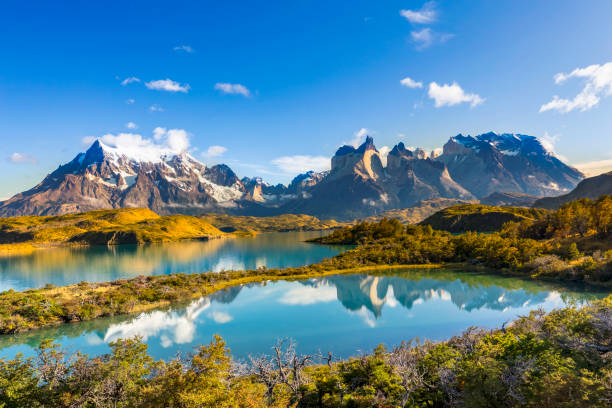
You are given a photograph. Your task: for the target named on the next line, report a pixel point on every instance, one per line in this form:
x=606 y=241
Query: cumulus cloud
x=232 y=89
x=21 y=158
x=548 y=142
x=171 y=327
x=426 y=15
x=184 y=48
x=167 y=85
x=130 y=101
x=131 y=125
x=598 y=84
x=308 y=295
x=453 y=94
x=129 y=80
x=220 y=317
x=427 y=37
x=156 y=108
x=302 y=163
x=165 y=142
x=384 y=152
x=411 y=83
x=358 y=137
x=214 y=151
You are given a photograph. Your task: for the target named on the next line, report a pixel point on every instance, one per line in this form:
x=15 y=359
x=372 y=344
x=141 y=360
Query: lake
x=345 y=314
x=65 y=266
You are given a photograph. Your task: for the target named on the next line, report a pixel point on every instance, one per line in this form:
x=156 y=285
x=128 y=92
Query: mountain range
x=361 y=182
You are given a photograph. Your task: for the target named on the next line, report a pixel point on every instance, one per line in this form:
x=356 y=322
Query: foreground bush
x=561 y=359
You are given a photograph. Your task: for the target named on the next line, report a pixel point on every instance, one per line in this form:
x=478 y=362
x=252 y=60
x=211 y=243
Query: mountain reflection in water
x=65 y=266
x=343 y=313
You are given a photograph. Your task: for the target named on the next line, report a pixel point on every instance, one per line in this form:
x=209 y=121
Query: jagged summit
x=368 y=144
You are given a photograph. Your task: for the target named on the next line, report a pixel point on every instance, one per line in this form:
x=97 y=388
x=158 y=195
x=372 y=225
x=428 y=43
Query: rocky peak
x=367 y=145
x=222 y=175
x=364 y=161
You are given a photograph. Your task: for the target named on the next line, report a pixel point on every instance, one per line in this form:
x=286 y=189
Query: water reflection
x=63 y=266
x=339 y=313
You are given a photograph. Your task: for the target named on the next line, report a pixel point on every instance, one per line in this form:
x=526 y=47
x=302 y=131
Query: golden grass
x=126 y=225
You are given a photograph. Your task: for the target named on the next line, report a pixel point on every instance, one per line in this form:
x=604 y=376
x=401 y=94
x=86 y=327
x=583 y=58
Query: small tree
x=572 y=252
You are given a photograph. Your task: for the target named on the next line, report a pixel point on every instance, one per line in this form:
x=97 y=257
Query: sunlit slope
x=121 y=226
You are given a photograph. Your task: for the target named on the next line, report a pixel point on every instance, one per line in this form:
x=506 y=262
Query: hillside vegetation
x=278 y=223
x=560 y=359
x=121 y=226
x=573 y=244
x=480 y=218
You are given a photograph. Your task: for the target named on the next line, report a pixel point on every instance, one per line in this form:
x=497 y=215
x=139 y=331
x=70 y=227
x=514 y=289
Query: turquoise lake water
x=345 y=314
x=64 y=266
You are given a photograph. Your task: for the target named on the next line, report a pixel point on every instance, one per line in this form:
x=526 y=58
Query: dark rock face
x=357 y=185
x=222 y=175
x=592 y=187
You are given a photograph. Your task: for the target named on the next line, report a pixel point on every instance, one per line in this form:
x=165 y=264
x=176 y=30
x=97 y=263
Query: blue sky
x=274 y=87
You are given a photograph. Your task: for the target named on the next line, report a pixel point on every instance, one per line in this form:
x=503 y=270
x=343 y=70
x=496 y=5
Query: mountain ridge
x=359 y=183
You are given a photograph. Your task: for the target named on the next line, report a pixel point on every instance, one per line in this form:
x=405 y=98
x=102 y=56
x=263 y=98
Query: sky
x=274 y=88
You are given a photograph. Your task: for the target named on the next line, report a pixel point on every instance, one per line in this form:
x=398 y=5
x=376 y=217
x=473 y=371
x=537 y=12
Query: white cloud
x=358 y=138
x=220 y=317
x=21 y=158
x=131 y=125
x=427 y=37
x=426 y=15
x=449 y=95
x=308 y=295
x=595 y=168
x=411 y=83
x=384 y=152
x=167 y=85
x=130 y=101
x=598 y=85
x=129 y=80
x=171 y=327
x=302 y=163
x=185 y=48
x=214 y=151
x=548 y=142
x=156 y=108
x=232 y=89
x=165 y=142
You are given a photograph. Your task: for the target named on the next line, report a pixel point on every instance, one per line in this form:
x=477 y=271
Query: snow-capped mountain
x=493 y=162
x=106 y=177
x=359 y=184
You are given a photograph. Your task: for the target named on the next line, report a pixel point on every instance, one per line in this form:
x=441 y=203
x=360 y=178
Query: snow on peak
x=165 y=143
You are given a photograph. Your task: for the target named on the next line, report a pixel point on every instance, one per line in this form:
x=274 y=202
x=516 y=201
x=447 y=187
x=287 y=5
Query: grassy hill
x=480 y=218
x=101 y=227
x=281 y=223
